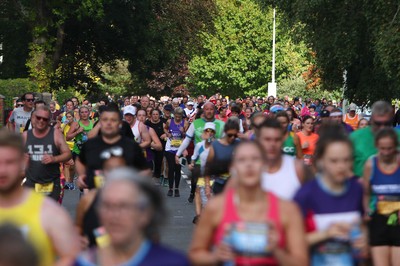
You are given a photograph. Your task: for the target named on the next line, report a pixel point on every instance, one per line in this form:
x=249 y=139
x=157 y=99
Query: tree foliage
x=68 y=42
x=236 y=56
x=359 y=38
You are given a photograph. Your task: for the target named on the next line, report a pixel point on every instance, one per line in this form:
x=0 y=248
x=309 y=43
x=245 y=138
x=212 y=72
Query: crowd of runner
x=273 y=181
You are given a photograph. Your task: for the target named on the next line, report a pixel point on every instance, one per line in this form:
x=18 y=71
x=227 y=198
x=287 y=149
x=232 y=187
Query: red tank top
x=230 y=217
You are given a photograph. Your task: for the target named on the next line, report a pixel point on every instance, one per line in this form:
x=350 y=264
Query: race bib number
x=176 y=142
x=102 y=238
x=44 y=188
x=98 y=181
x=250 y=239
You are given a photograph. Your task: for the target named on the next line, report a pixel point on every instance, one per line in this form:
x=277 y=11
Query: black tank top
x=91 y=221
x=36 y=148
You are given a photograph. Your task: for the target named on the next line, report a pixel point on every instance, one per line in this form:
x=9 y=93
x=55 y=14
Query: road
x=177 y=232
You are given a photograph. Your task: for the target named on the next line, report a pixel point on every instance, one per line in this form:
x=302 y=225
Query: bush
x=11 y=88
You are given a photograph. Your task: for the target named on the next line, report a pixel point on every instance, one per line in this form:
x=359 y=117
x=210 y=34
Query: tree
x=236 y=57
x=359 y=38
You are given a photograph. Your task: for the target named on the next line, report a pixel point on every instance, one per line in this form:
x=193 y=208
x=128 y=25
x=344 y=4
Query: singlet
x=200 y=155
x=231 y=219
x=81 y=137
x=70 y=143
x=27 y=216
x=222 y=158
x=91 y=221
x=176 y=139
x=284 y=183
x=353 y=122
x=288 y=146
x=385 y=189
x=136 y=132
x=312 y=141
x=321 y=208
x=36 y=148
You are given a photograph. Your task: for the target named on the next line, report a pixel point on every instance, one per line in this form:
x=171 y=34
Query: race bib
x=388 y=207
x=102 y=238
x=176 y=142
x=98 y=181
x=249 y=239
x=44 y=188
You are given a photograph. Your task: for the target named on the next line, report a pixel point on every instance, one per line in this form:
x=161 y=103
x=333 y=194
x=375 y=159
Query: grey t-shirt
x=20 y=117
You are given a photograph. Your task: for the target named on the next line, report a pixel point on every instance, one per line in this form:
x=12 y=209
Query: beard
x=11 y=187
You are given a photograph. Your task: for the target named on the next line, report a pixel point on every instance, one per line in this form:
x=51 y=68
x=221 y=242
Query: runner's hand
x=224 y=252
x=84 y=241
x=185 y=153
x=81 y=181
x=338 y=230
x=273 y=237
x=79 y=130
x=177 y=159
x=47 y=159
x=208 y=192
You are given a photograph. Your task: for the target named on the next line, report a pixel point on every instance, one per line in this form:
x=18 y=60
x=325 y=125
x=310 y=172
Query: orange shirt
x=312 y=142
x=353 y=122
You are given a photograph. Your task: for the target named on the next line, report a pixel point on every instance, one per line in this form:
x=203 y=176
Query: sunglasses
x=232 y=135
x=44 y=119
x=29 y=100
x=112 y=152
x=20 y=105
x=384 y=123
x=209 y=130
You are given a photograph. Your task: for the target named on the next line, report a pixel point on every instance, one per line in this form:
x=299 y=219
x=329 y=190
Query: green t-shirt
x=81 y=137
x=199 y=128
x=288 y=146
x=364 y=147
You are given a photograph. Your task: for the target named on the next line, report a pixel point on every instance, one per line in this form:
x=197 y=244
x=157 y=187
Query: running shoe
x=191 y=197
x=196 y=219
x=169 y=194
x=177 y=195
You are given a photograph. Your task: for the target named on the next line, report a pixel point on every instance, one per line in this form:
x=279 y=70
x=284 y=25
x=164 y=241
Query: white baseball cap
x=209 y=125
x=190 y=103
x=130 y=110
x=352 y=107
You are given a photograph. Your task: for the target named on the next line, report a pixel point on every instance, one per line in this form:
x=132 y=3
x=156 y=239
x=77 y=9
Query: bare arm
x=366 y=185
x=59 y=227
x=299 y=150
x=296 y=253
x=81 y=170
x=155 y=141
x=95 y=131
x=65 y=153
x=74 y=130
x=200 y=251
x=146 y=139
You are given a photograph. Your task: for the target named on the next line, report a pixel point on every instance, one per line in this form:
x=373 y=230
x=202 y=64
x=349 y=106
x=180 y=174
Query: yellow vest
x=65 y=129
x=27 y=216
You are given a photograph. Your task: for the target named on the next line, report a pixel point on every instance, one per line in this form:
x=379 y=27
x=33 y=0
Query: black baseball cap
x=325 y=113
x=168 y=107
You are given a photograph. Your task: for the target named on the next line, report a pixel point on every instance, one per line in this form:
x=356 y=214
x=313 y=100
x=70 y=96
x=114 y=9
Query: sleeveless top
x=248 y=239
x=81 y=137
x=149 y=155
x=284 y=183
x=175 y=141
x=27 y=217
x=91 y=221
x=312 y=141
x=222 y=158
x=36 y=148
x=353 y=122
x=385 y=189
x=136 y=132
x=70 y=143
x=288 y=146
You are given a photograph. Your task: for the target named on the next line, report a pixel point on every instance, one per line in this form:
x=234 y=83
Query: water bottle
x=354 y=234
x=84 y=137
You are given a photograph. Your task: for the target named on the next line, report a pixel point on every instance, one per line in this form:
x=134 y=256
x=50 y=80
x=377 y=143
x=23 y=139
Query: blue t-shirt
x=322 y=208
x=149 y=254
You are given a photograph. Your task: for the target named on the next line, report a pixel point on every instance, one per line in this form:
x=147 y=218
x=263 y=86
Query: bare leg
x=67 y=173
x=381 y=255
x=395 y=255
x=197 y=201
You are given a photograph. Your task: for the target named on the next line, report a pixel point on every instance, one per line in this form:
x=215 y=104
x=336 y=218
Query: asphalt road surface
x=177 y=232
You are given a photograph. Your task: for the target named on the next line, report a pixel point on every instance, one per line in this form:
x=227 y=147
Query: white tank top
x=284 y=183
x=136 y=132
